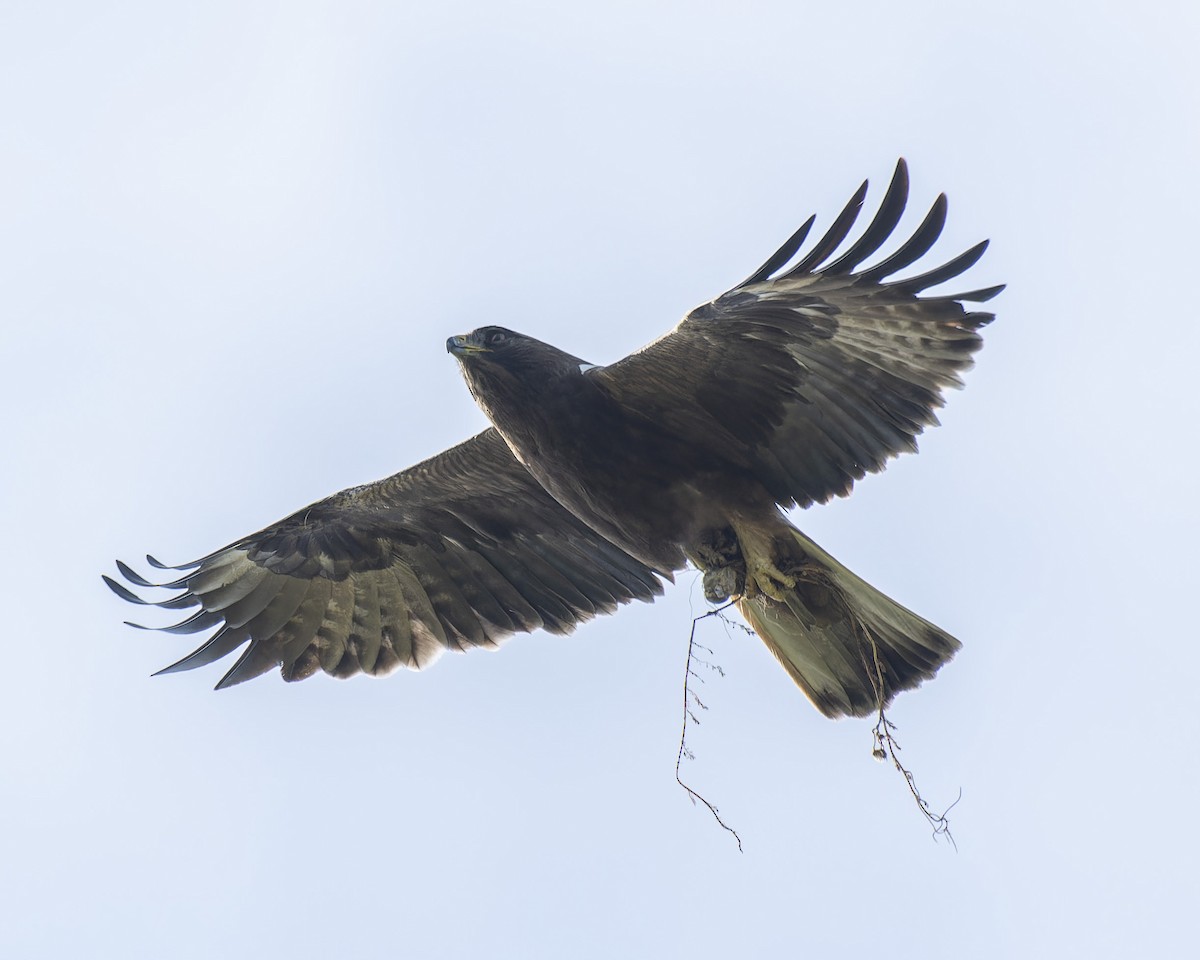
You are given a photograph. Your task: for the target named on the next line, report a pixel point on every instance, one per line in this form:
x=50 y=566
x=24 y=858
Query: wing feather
x=302 y=628
x=389 y=621
x=833 y=236
x=884 y=222
x=782 y=255
x=947 y=271
x=221 y=644
x=915 y=247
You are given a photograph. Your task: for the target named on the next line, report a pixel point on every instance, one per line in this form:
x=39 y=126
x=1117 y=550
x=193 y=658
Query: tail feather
x=849 y=647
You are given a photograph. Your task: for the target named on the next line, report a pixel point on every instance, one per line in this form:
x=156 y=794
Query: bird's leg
x=762 y=575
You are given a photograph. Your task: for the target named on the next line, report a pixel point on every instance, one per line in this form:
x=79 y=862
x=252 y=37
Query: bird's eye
x=496 y=337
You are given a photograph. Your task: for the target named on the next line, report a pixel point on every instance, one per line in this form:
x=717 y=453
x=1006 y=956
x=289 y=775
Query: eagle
x=596 y=484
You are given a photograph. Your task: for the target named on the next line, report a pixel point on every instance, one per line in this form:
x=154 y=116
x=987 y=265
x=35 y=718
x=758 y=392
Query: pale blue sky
x=235 y=237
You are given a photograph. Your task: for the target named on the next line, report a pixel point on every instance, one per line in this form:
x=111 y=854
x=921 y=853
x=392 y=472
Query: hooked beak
x=464 y=346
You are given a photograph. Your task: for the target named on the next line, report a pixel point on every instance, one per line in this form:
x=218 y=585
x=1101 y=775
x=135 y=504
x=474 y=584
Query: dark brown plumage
x=594 y=482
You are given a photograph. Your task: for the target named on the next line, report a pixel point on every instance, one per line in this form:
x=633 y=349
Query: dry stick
x=688 y=697
x=886 y=745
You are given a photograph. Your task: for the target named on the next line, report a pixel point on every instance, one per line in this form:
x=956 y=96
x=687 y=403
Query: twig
x=719 y=613
x=690 y=698
x=885 y=745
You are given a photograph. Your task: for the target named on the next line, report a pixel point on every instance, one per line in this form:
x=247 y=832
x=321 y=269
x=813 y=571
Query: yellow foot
x=762 y=575
x=768 y=578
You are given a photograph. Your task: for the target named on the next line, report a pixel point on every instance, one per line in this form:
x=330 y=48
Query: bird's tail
x=849 y=647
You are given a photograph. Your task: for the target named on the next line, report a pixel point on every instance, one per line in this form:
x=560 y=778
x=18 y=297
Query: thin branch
x=690 y=698
x=885 y=745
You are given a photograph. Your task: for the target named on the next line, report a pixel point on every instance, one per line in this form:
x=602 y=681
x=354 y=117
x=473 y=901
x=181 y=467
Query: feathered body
x=643 y=486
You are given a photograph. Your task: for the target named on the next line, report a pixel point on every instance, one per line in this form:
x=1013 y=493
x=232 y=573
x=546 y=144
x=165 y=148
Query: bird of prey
x=595 y=484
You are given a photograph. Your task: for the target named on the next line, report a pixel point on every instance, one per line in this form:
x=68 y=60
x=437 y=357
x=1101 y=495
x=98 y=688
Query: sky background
x=233 y=240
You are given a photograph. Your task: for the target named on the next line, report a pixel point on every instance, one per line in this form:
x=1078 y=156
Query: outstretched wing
x=815 y=374
x=459 y=551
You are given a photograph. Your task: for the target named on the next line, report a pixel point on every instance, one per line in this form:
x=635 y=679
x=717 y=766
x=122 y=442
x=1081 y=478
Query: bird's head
x=506 y=370
x=496 y=351
x=490 y=343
